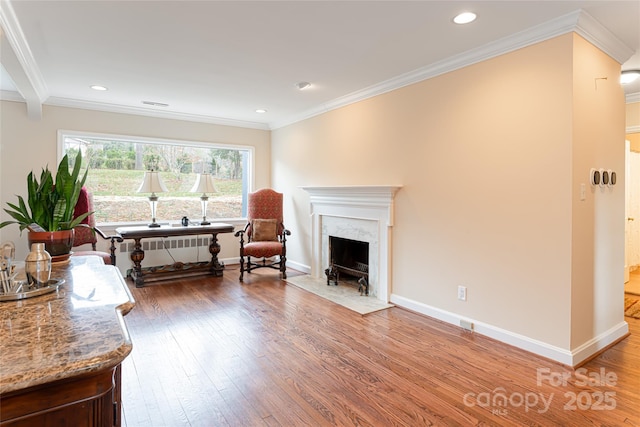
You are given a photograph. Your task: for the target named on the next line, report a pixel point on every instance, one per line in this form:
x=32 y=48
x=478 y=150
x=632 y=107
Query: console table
x=177 y=269
x=61 y=352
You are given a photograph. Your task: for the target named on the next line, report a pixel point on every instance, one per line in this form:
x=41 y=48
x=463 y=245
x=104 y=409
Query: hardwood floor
x=633 y=285
x=215 y=352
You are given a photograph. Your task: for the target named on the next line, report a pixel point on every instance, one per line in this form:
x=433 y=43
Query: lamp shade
x=152 y=183
x=204 y=184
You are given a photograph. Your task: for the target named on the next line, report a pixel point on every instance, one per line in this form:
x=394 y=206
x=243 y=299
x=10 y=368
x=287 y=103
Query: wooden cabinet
x=61 y=353
x=93 y=400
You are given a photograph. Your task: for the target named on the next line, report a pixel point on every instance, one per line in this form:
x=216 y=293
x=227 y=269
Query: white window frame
x=62 y=134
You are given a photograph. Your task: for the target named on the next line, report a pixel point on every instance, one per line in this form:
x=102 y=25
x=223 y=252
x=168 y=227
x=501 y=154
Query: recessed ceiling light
x=465 y=18
x=629 y=76
x=303 y=85
x=261 y=110
x=98 y=87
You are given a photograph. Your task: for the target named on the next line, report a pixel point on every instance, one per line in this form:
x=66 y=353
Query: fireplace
x=349 y=258
x=361 y=213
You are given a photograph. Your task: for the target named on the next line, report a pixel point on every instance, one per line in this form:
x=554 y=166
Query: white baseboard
x=594 y=345
x=564 y=356
x=230 y=261
x=299 y=267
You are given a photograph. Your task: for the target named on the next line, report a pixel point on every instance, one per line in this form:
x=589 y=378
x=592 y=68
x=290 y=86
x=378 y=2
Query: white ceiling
x=219 y=61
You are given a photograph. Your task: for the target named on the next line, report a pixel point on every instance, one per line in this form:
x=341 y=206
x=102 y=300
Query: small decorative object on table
x=6 y=265
x=7 y=257
x=152 y=183
x=38 y=265
x=33 y=281
x=204 y=184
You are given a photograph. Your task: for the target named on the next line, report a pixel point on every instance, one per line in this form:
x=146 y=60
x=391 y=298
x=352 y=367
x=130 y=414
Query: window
x=116 y=166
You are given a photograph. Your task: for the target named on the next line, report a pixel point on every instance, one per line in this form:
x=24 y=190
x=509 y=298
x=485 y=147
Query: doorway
x=632 y=212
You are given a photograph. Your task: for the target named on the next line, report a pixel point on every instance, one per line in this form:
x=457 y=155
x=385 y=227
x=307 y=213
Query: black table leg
x=214 y=249
x=137 y=255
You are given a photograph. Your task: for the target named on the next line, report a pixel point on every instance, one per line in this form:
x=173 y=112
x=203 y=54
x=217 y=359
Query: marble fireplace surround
x=363 y=213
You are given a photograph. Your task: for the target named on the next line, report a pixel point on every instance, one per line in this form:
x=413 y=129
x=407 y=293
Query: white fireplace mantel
x=373 y=202
x=357 y=203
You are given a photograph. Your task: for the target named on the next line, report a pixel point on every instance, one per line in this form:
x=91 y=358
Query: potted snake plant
x=48 y=211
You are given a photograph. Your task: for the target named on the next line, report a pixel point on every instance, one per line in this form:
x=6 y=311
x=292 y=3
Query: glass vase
x=37 y=266
x=7 y=257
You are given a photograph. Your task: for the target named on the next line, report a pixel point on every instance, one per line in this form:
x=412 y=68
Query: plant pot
x=57 y=243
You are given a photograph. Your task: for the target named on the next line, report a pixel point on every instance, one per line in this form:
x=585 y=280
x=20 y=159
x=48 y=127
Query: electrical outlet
x=462 y=293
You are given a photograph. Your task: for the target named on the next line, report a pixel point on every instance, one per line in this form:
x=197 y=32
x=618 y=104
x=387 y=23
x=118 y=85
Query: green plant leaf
x=51 y=201
x=77 y=221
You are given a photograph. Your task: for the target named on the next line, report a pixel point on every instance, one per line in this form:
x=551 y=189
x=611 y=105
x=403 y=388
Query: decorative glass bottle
x=37 y=266
x=7 y=257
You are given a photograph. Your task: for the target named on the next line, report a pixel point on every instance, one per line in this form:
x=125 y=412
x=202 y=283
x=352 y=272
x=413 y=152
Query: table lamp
x=204 y=185
x=152 y=184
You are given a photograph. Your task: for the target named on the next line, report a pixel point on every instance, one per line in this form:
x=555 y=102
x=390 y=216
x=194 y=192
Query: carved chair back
x=265 y=204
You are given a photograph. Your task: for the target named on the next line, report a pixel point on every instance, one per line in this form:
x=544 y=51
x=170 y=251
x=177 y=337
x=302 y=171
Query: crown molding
x=113 y=108
x=577 y=21
x=119 y=109
x=630 y=98
x=599 y=36
x=9 y=95
x=632 y=129
x=34 y=92
x=20 y=63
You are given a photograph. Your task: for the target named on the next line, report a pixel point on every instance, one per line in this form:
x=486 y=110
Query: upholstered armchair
x=264 y=237
x=85 y=234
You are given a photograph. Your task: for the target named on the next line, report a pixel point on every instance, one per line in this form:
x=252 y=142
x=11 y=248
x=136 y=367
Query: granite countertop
x=73 y=331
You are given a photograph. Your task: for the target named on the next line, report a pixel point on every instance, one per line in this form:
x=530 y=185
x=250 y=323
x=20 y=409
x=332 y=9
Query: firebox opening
x=349 y=261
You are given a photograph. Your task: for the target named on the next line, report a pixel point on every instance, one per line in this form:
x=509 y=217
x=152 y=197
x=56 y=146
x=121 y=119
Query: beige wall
x=597 y=282
x=491 y=158
x=30 y=145
x=634 y=139
x=485 y=157
x=633 y=122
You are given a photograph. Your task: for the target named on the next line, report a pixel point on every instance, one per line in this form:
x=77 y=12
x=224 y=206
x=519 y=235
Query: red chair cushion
x=83 y=205
x=263 y=249
x=84 y=234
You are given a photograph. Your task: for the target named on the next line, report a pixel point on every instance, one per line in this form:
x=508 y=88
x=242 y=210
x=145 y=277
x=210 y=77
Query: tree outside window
x=117 y=165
